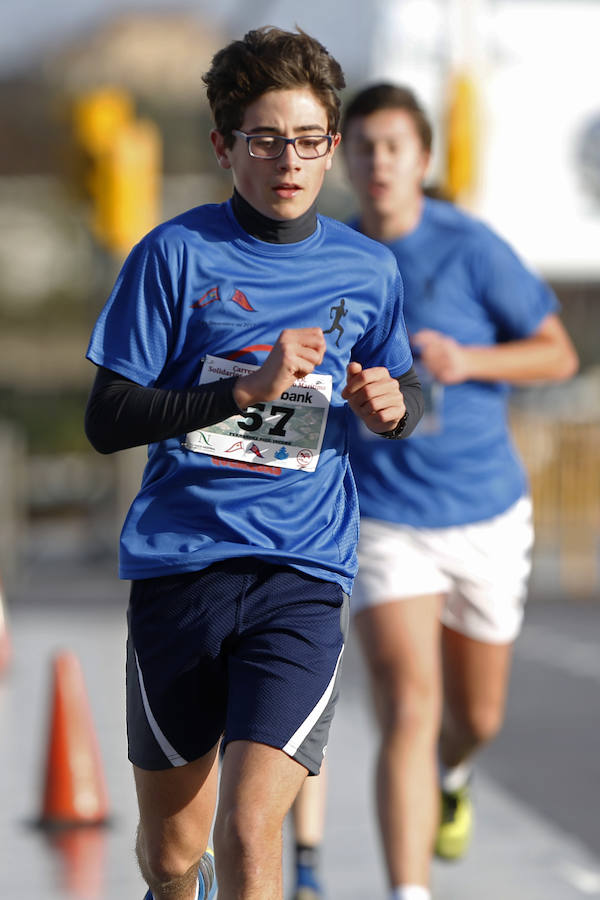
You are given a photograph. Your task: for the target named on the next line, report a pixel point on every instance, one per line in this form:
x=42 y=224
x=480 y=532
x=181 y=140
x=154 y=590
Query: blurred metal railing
x=563 y=462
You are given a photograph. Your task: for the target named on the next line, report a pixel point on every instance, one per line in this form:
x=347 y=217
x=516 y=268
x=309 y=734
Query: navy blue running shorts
x=246 y=649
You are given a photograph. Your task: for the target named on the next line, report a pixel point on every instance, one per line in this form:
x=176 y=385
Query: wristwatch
x=397 y=431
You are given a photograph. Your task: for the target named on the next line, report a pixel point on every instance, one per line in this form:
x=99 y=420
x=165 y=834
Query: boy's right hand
x=295 y=354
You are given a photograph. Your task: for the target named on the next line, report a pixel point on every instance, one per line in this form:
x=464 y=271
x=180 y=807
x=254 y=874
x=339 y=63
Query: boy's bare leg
x=308 y=815
x=176 y=812
x=400 y=640
x=258 y=786
x=476 y=677
x=308 y=811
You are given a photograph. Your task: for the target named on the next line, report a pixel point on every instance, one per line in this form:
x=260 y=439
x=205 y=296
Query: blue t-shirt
x=198 y=285
x=459 y=465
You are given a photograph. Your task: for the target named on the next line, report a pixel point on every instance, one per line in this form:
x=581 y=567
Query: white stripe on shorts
x=301 y=733
x=172 y=755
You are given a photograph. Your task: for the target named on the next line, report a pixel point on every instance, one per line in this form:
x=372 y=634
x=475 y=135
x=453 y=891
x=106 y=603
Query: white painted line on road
x=585 y=880
x=578 y=658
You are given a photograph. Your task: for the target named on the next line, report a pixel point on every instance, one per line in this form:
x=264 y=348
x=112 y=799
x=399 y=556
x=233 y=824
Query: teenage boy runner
x=216 y=348
x=446 y=533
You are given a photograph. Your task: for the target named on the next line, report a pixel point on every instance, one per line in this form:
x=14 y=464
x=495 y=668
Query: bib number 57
x=254 y=418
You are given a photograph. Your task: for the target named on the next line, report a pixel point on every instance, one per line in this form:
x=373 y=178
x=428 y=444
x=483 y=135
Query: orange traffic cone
x=5 y=644
x=75 y=790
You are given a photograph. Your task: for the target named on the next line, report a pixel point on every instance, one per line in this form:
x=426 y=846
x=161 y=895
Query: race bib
x=286 y=433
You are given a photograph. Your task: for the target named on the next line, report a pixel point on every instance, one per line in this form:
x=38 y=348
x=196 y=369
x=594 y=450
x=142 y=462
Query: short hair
x=270 y=59
x=389 y=96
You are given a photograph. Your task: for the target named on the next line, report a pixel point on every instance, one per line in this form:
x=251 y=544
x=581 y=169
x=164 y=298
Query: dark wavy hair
x=270 y=59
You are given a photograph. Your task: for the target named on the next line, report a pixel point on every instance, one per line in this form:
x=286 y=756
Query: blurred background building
x=105 y=132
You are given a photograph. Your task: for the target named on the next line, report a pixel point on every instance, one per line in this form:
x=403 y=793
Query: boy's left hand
x=374 y=396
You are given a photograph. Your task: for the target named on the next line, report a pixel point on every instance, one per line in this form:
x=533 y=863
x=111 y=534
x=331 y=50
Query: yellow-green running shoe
x=456 y=825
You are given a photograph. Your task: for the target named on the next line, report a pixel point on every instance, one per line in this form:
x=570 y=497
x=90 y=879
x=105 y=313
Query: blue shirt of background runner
x=464 y=281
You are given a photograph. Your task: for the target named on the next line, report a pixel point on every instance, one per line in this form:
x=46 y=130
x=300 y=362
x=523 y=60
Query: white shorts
x=482 y=569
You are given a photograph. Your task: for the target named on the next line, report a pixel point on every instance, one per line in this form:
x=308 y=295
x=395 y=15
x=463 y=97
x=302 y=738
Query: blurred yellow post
x=97 y=115
x=121 y=161
x=128 y=189
x=461 y=137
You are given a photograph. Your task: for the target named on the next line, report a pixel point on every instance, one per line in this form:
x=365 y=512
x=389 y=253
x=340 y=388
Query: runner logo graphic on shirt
x=337 y=313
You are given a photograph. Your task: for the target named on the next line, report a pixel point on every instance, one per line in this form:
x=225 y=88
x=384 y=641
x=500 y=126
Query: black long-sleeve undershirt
x=413 y=400
x=121 y=413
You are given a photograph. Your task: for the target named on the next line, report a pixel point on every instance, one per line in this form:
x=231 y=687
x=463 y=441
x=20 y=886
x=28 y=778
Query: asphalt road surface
x=537 y=788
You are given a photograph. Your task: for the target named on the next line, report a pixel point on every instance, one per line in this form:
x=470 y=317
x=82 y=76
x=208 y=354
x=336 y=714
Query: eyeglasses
x=270 y=146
